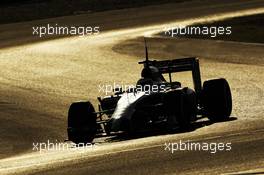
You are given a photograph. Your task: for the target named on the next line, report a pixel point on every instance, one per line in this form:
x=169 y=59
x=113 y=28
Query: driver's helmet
x=152 y=73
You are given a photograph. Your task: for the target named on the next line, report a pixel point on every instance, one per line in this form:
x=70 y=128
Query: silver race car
x=153 y=103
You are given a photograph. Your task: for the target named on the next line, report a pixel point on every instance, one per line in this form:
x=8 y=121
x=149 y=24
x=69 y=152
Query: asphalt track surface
x=40 y=78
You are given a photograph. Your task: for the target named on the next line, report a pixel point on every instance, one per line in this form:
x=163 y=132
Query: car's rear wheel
x=81 y=122
x=182 y=107
x=216 y=99
x=189 y=109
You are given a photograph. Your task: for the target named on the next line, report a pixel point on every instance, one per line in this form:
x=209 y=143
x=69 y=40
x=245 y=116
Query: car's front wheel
x=81 y=122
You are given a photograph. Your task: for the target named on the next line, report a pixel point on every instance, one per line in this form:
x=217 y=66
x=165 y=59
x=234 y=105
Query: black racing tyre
x=182 y=106
x=81 y=122
x=216 y=99
x=189 y=109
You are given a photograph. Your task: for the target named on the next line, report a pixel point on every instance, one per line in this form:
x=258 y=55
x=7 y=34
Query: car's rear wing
x=179 y=65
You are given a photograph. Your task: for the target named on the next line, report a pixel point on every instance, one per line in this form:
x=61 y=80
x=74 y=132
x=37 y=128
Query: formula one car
x=152 y=103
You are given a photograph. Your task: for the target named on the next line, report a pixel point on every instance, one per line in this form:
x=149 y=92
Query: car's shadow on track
x=202 y=123
x=158 y=132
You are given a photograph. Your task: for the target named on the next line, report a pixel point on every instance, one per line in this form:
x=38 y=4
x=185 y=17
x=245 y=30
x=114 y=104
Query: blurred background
x=24 y=10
